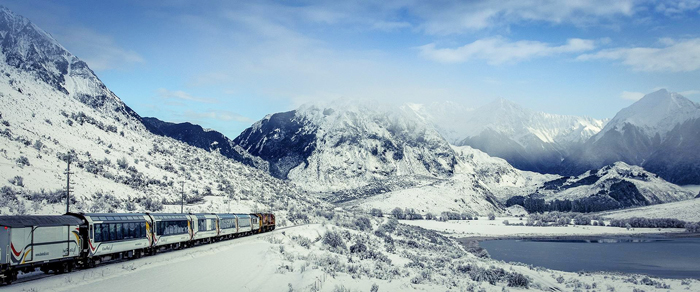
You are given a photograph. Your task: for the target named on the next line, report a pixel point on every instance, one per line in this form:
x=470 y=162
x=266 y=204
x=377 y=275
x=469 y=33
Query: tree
x=376 y=212
x=398 y=213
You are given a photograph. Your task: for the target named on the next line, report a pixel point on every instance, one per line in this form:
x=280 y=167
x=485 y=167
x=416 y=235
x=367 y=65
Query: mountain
x=347 y=145
x=660 y=132
x=527 y=139
x=54 y=109
x=612 y=187
x=209 y=140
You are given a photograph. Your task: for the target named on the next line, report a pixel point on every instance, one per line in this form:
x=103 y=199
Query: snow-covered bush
x=334 y=240
x=51 y=197
x=429 y=216
x=151 y=204
x=637 y=222
x=398 y=213
x=582 y=220
x=363 y=224
x=376 y=212
x=492 y=216
x=411 y=214
x=38 y=145
x=692 y=227
x=518 y=280
x=122 y=163
x=22 y=161
x=17 y=180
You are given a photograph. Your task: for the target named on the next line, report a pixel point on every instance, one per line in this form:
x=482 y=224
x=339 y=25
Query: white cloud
x=220 y=115
x=634 y=96
x=181 y=95
x=498 y=50
x=98 y=50
x=450 y=17
x=675 y=7
x=675 y=56
x=689 y=92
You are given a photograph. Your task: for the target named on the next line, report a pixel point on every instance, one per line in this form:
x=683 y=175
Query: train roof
x=161 y=216
x=115 y=216
x=45 y=220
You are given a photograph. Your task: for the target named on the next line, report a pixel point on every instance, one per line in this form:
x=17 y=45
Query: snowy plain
x=484 y=228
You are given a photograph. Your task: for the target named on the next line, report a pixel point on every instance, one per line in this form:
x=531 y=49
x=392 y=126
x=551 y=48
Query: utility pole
x=68 y=173
x=182 y=201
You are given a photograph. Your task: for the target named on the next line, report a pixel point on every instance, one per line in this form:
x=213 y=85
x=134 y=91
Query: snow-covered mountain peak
x=30 y=49
x=656 y=113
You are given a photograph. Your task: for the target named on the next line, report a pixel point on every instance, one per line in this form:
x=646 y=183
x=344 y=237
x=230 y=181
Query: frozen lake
x=661 y=257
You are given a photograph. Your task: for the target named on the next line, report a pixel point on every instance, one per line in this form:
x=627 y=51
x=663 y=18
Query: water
x=661 y=257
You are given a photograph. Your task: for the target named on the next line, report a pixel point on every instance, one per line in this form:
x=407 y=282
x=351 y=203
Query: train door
x=5 y=250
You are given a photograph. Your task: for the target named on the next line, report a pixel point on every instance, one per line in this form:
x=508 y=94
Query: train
x=61 y=243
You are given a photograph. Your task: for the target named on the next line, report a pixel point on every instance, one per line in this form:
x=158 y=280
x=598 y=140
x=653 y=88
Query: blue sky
x=226 y=64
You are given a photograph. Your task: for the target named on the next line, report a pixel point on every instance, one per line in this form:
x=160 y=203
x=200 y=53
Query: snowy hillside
x=527 y=139
x=209 y=140
x=54 y=109
x=611 y=187
x=659 y=132
x=481 y=185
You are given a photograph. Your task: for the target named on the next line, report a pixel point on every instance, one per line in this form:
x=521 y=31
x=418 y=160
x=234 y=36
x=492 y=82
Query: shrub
x=334 y=240
x=505 y=222
x=492 y=216
x=358 y=248
x=38 y=145
x=518 y=280
x=18 y=181
x=376 y=212
x=429 y=216
x=22 y=161
x=398 y=213
x=692 y=227
x=122 y=163
x=152 y=204
x=363 y=224
x=582 y=220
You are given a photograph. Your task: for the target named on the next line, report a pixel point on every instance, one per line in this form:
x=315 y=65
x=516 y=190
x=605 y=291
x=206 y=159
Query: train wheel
x=8 y=278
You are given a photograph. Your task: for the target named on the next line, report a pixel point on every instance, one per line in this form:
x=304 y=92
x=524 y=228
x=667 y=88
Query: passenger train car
x=62 y=242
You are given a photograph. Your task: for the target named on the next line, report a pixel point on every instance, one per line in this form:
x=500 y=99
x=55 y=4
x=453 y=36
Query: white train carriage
x=204 y=227
x=245 y=224
x=170 y=230
x=51 y=243
x=116 y=236
x=227 y=226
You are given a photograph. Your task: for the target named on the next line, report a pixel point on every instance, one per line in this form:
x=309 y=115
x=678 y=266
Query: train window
x=112 y=231
x=98 y=232
x=105 y=232
x=119 y=231
x=143 y=229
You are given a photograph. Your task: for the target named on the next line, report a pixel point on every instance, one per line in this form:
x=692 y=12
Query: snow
x=653 y=188
x=685 y=210
x=457 y=122
x=277 y=261
x=656 y=113
x=484 y=228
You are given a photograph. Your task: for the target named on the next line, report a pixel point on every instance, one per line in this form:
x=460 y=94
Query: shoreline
x=660 y=235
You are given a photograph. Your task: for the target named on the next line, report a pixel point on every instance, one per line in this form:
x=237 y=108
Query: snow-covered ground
x=496 y=228
x=300 y=259
x=684 y=210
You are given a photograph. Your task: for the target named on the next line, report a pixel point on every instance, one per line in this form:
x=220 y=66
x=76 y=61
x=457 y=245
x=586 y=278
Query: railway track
x=38 y=275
